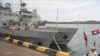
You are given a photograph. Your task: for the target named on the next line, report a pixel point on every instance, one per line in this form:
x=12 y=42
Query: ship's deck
x=9 y=49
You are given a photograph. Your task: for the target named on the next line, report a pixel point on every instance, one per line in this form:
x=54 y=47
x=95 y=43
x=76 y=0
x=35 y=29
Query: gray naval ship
x=27 y=26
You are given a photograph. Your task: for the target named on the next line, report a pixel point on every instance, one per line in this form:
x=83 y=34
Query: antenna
x=78 y=20
x=57 y=18
x=56 y=32
x=20 y=4
x=23 y=4
x=20 y=1
x=12 y=5
x=35 y=4
x=20 y=18
x=0 y=1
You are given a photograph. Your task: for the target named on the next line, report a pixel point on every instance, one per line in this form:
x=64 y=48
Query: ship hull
x=41 y=36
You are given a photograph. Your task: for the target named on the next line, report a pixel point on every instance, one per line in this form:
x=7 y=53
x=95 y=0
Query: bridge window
x=30 y=16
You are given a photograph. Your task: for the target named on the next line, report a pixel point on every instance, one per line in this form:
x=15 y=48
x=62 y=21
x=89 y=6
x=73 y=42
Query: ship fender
x=42 y=49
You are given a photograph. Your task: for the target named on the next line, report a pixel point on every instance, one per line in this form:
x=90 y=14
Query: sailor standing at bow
x=92 y=52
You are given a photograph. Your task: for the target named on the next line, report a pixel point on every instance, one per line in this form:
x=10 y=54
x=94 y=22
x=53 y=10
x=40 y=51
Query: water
x=77 y=44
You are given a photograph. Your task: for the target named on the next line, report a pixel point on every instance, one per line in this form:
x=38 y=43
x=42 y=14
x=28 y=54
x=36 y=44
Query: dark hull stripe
x=20 y=43
x=10 y=40
x=32 y=46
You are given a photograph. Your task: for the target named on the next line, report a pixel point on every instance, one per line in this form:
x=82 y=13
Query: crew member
x=92 y=52
x=31 y=27
x=23 y=27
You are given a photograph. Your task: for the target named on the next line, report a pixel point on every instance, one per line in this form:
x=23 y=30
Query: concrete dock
x=9 y=49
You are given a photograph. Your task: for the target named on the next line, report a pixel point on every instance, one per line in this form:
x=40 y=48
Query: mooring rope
x=56 y=43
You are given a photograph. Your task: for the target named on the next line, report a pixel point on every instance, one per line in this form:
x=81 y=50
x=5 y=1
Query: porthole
x=4 y=24
x=65 y=37
x=39 y=43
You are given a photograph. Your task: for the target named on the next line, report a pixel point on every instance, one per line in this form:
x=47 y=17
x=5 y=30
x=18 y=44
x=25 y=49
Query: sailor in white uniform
x=93 y=52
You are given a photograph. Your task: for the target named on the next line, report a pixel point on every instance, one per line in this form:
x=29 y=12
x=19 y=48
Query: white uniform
x=92 y=53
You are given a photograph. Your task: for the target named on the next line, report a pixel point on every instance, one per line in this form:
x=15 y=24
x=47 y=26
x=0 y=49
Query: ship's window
x=65 y=37
x=30 y=16
x=3 y=13
x=24 y=16
x=4 y=24
x=39 y=43
x=14 y=14
x=6 y=14
x=0 y=13
x=10 y=14
x=25 y=24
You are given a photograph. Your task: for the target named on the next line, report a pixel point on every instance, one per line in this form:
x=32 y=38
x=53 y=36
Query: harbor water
x=77 y=44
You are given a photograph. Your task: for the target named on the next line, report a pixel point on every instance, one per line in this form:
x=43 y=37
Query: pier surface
x=9 y=49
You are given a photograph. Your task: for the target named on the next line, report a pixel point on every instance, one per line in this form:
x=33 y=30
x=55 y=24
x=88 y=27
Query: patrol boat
x=25 y=26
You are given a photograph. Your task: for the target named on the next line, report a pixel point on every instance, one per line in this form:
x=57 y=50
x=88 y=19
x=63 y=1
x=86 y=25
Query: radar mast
x=1 y=3
x=22 y=9
x=23 y=4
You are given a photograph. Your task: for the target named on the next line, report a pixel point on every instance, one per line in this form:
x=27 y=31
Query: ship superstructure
x=24 y=26
x=29 y=17
x=6 y=14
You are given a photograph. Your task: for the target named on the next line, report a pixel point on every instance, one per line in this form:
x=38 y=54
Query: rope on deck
x=42 y=49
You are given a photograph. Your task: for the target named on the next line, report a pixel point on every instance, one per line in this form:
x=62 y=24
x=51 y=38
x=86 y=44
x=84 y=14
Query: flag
x=94 y=32
x=85 y=38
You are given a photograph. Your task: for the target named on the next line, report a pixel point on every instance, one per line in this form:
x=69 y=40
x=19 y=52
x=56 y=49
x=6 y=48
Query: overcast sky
x=69 y=10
